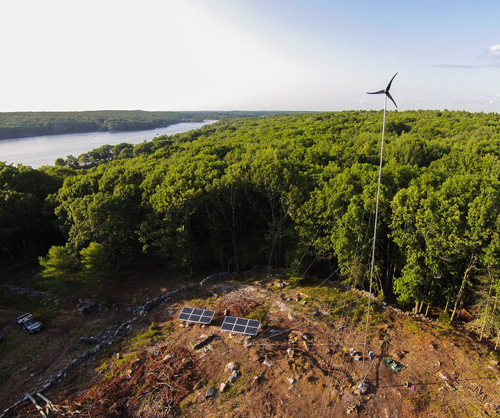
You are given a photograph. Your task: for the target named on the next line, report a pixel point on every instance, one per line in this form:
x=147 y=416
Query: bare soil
x=300 y=364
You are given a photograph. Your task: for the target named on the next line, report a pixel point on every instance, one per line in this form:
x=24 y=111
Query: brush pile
x=151 y=384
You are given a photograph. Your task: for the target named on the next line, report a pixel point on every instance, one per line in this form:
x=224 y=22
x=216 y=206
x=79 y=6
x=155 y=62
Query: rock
x=87 y=306
x=307 y=337
x=223 y=387
x=210 y=392
x=491 y=407
x=268 y=363
x=290 y=317
x=24 y=291
x=233 y=377
x=167 y=357
x=247 y=342
x=230 y=367
x=88 y=340
x=289 y=352
x=443 y=376
x=202 y=341
x=291 y=380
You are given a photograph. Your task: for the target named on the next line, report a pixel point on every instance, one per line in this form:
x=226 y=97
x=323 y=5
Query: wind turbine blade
x=376 y=92
x=390 y=97
x=389 y=85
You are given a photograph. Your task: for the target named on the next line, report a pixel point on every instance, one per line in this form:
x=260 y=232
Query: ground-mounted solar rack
x=240 y=325
x=200 y=316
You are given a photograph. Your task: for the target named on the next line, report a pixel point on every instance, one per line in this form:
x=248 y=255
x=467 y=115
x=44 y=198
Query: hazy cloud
x=494 y=51
x=453 y=66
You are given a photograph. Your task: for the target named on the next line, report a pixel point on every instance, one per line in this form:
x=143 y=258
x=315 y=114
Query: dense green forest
x=295 y=191
x=26 y=124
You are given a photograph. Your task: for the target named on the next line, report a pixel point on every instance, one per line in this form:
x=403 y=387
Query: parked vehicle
x=29 y=324
x=1 y=337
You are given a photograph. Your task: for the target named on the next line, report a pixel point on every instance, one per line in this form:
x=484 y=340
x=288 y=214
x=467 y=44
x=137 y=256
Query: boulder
x=230 y=367
x=202 y=341
x=210 y=392
x=233 y=377
x=268 y=363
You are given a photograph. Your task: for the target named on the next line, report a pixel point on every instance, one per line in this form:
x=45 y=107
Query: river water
x=44 y=150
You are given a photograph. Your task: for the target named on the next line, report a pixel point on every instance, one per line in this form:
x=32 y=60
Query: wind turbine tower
x=387 y=95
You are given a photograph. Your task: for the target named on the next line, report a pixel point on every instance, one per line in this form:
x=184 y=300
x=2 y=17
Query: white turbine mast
x=387 y=95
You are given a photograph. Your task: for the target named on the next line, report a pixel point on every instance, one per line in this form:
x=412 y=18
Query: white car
x=29 y=324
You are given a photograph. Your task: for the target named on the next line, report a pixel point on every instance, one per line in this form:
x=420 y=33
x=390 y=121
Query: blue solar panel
x=240 y=325
x=201 y=316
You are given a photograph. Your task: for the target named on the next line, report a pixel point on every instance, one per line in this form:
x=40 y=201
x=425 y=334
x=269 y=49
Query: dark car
x=1 y=337
x=29 y=324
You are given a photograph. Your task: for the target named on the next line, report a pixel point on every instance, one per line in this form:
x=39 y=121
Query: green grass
x=413 y=327
x=38 y=307
x=260 y=314
x=90 y=332
x=134 y=346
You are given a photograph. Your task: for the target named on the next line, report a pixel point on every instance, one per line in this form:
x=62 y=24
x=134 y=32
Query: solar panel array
x=201 y=316
x=240 y=325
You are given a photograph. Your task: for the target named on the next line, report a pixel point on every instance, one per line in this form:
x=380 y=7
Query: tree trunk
x=485 y=319
x=421 y=306
x=462 y=287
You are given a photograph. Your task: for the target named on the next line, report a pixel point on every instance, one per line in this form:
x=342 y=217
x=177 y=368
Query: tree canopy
x=275 y=189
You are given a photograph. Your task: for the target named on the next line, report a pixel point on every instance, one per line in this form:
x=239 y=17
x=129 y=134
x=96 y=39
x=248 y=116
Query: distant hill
x=27 y=124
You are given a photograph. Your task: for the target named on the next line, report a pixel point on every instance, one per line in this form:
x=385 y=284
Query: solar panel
x=240 y=325
x=201 y=316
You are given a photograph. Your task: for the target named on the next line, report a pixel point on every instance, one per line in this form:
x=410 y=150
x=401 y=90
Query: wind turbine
x=387 y=95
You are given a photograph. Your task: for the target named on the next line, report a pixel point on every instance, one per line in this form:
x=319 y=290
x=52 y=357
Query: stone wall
x=108 y=336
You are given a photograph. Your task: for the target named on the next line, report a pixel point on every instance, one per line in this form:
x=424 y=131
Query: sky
x=316 y=55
